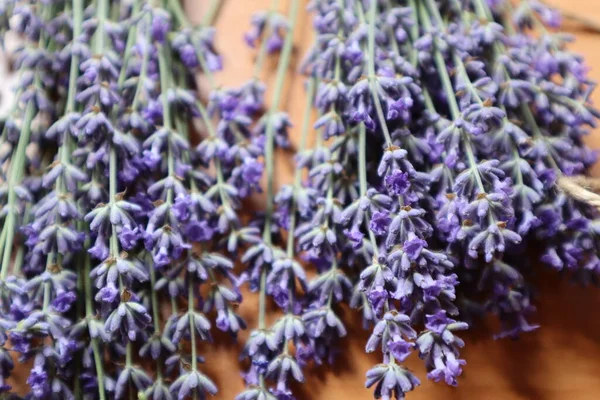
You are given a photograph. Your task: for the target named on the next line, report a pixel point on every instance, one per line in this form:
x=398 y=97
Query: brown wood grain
x=561 y=360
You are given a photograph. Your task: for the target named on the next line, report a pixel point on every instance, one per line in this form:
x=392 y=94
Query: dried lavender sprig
x=552 y=150
x=497 y=274
x=57 y=218
x=232 y=152
x=524 y=195
x=455 y=111
x=62 y=175
x=320 y=234
x=557 y=128
x=282 y=66
x=196 y=321
x=53 y=284
x=535 y=152
x=35 y=101
x=360 y=113
x=260 y=267
x=95 y=329
x=528 y=191
x=225 y=196
x=395 y=324
x=200 y=263
x=164 y=232
x=234 y=234
x=227 y=103
x=392 y=324
x=158 y=346
x=574 y=80
x=128 y=318
x=289 y=328
x=36 y=111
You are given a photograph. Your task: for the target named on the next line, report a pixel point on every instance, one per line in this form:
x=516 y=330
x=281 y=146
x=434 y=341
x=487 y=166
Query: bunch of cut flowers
x=449 y=141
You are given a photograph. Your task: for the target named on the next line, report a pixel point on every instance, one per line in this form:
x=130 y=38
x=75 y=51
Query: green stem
x=191 y=317
x=362 y=177
x=414 y=33
x=99 y=368
x=89 y=307
x=129 y=44
x=298 y=173
x=89 y=313
x=211 y=14
x=65 y=147
x=131 y=37
x=15 y=177
x=128 y=354
x=114 y=244
x=20 y=256
x=333 y=270
x=2 y=245
x=173 y=305
x=206 y=119
x=371 y=69
x=155 y=315
x=74 y=71
x=46 y=301
x=101 y=14
x=143 y=73
x=269 y=141
x=164 y=85
x=269 y=159
x=262 y=300
x=155 y=310
x=180 y=14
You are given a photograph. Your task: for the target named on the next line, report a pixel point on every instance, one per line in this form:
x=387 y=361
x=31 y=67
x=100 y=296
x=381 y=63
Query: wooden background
x=561 y=360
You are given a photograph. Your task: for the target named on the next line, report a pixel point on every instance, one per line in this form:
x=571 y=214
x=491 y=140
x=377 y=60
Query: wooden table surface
x=561 y=360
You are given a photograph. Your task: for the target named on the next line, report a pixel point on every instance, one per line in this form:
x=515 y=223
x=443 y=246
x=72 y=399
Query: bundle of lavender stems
x=448 y=143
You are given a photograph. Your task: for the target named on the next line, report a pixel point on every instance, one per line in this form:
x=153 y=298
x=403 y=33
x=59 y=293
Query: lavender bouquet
x=448 y=142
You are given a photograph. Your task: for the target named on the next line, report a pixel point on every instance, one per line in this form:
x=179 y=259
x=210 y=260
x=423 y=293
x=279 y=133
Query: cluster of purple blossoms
x=477 y=121
x=271 y=265
x=445 y=132
x=36 y=292
x=378 y=224
x=114 y=209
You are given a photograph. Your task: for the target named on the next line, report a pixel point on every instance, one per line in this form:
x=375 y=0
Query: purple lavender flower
x=271 y=27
